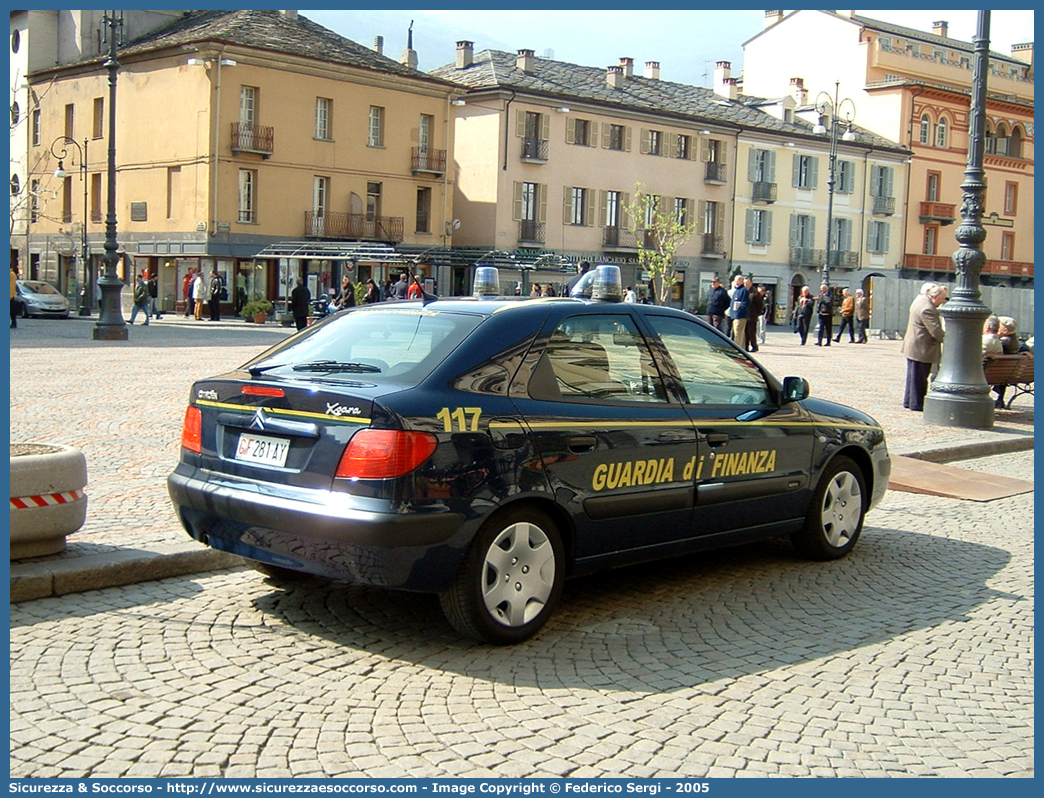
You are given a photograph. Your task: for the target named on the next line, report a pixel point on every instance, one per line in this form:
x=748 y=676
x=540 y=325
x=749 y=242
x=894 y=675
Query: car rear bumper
x=326 y=533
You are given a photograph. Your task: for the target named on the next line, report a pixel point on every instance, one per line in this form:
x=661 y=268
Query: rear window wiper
x=255 y=370
x=337 y=365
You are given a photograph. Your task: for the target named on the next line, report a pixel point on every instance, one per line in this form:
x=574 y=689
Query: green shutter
x=772 y=167
x=795 y=175
x=545 y=127
x=794 y=230
x=627 y=139
x=570 y=130
x=752 y=164
x=516 y=213
x=748 y=235
x=520 y=123
x=607 y=130
x=645 y=141
x=541 y=203
x=603 y=205
x=814 y=171
x=567 y=204
x=768 y=227
x=589 y=211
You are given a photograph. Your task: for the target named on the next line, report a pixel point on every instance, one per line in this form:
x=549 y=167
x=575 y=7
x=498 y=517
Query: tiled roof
x=924 y=36
x=268 y=30
x=562 y=81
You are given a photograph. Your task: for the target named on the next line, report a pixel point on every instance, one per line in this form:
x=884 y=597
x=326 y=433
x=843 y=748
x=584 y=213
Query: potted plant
x=257 y=310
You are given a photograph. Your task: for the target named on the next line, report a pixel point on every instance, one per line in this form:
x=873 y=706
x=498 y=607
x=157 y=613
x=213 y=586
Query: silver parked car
x=42 y=300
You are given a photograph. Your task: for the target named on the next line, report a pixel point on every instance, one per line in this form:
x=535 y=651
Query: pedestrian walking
x=581 y=270
x=414 y=291
x=717 y=304
x=346 y=298
x=629 y=296
x=300 y=304
x=199 y=294
x=186 y=291
x=766 y=309
x=803 y=313
x=16 y=306
x=825 y=313
x=373 y=293
x=214 y=295
x=922 y=344
x=739 y=307
x=141 y=299
x=153 y=286
x=756 y=307
x=401 y=288
x=847 y=317
x=862 y=315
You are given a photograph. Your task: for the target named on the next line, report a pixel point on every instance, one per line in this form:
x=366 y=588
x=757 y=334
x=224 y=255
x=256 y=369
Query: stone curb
x=124 y=567
x=31 y=581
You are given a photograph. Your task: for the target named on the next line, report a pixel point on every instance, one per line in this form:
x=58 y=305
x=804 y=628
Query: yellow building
x=256 y=143
x=914 y=87
x=550 y=153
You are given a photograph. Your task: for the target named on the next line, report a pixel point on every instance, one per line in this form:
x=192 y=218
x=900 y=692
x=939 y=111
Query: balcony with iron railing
x=534 y=150
x=619 y=238
x=942 y=212
x=353 y=225
x=428 y=160
x=257 y=139
x=716 y=173
x=884 y=206
x=944 y=263
x=712 y=246
x=762 y=191
x=806 y=256
x=844 y=259
x=530 y=232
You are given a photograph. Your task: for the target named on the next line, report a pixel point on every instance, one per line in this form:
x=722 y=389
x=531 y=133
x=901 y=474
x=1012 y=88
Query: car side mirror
x=794 y=389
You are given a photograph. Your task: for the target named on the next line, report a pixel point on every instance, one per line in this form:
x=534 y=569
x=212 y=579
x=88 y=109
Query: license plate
x=262 y=449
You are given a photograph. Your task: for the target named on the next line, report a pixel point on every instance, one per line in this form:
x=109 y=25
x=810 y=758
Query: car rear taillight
x=384 y=453
x=192 y=430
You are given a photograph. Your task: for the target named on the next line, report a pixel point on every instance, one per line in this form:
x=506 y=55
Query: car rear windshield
x=399 y=345
x=39 y=288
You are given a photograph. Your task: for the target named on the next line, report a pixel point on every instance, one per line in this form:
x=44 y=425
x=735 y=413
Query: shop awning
x=333 y=250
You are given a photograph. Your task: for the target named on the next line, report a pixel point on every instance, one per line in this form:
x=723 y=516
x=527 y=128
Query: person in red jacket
x=414 y=291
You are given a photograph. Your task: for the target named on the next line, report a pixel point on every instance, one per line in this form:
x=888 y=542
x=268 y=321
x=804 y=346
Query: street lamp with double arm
x=88 y=272
x=833 y=112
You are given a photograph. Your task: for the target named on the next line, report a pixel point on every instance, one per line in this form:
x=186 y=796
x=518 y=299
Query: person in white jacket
x=200 y=294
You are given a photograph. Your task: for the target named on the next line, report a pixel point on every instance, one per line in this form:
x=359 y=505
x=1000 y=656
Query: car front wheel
x=510 y=580
x=835 y=516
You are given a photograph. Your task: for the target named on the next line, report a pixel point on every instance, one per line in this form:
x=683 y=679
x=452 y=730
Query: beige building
x=550 y=153
x=914 y=87
x=254 y=143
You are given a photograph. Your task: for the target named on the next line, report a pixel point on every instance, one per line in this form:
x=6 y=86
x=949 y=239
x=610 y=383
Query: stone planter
x=260 y=318
x=48 y=502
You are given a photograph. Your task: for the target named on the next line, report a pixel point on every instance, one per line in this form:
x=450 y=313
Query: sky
x=686 y=43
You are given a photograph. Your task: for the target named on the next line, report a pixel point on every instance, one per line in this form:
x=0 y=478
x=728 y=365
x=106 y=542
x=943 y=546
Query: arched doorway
x=797 y=282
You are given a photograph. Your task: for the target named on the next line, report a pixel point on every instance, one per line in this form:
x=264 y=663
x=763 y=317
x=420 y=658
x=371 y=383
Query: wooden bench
x=1015 y=371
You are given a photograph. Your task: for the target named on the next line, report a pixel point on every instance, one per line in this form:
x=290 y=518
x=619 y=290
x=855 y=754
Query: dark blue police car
x=485 y=449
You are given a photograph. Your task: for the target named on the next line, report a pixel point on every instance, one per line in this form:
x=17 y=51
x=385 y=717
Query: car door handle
x=581 y=444
x=717 y=439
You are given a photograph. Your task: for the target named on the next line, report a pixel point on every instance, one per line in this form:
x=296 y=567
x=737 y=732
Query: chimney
x=378 y=45
x=465 y=54
x=289 y=14
x=525 y=61
x=724 y=83
x=614 y=76
x=652 y=70
x=772 y=17
x=798 y=91
x=941 y=28
x=627 y=64
x=409 y=58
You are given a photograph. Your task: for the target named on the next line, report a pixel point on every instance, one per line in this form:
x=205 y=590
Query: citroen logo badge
x=258 y=421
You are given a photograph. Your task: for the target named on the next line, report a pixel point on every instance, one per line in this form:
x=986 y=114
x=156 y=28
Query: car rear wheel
x=835 y=516
x=510 y=580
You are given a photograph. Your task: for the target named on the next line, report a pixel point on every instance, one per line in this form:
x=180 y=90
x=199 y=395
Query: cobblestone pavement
x=911 y=657
x=122 y=403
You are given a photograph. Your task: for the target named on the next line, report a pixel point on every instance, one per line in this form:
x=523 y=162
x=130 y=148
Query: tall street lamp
x=61 y=174
x=110 y=325
x=959 y=395
x=830 y=109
